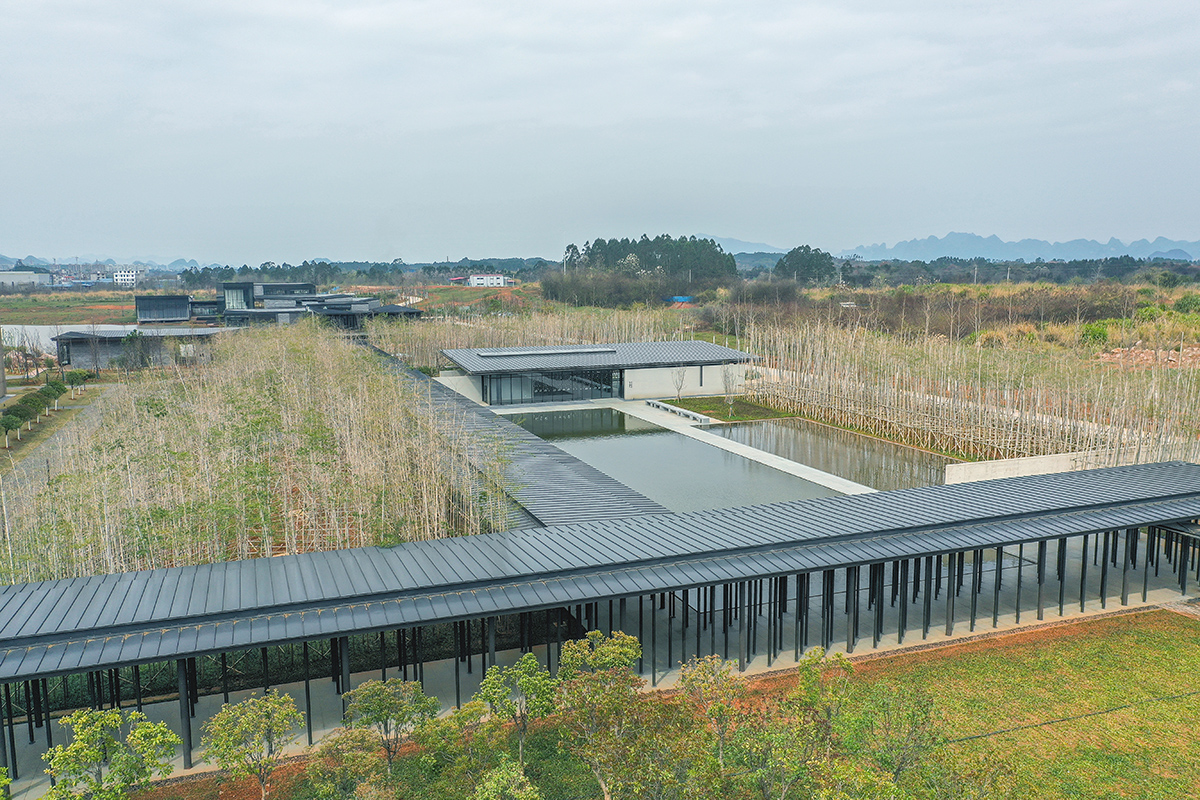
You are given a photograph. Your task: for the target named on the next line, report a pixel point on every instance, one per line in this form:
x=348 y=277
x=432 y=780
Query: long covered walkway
x=757 y=585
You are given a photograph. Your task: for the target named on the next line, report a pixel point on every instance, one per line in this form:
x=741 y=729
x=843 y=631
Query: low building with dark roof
x=628 y=370
x=159 y=347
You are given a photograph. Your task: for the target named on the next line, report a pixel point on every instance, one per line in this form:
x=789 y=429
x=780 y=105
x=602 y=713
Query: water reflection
x=863 y=459
x=681 y=473
x=588 y=423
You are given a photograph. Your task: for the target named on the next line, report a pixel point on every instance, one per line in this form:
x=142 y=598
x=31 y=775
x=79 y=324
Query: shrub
x=1148 y=313
x=1188 y=304
x=1094 y=333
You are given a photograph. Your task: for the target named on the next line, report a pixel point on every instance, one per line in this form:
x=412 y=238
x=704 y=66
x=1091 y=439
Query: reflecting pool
x=863 y=459
x=679 y=472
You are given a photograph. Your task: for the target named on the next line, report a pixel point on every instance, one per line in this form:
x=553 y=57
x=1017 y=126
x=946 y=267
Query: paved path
x=47 y=457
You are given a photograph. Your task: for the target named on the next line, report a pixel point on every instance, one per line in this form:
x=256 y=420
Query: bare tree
x=729 y=377
x=678 y=378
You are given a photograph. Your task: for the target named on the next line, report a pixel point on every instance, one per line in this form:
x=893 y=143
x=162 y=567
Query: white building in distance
x=127 y=277
x=489 y=281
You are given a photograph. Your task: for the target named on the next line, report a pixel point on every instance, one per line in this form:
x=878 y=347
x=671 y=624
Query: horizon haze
x=248 y=132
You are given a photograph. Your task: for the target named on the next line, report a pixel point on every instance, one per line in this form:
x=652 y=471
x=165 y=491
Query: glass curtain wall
x=551 y=387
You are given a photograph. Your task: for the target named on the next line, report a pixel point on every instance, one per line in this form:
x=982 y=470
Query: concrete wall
x=642 y=384
x=466 y=385
x=1016 y=467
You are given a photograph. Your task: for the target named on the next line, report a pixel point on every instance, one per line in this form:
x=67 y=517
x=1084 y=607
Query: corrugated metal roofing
x=53 y=626
x=550 y=486
x=623 y=355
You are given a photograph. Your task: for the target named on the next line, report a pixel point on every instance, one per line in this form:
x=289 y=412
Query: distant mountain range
x=970 y=245
x=739 y=246
x=7 y=262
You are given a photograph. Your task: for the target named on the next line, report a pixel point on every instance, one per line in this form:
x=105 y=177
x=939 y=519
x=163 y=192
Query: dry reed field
x=420 y=344
x=292 y=440
x=978 y=402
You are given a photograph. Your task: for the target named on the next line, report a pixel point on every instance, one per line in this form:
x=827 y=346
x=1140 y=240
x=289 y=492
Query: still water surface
x=679 y=472
x=862 y=459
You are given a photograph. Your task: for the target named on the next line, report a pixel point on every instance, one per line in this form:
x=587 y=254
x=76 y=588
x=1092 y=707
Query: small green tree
x=789 y=747
x=111 y=753
x=5 y=781
x=519 y=694
x=506 y=782
x=899 y=728
x=716 y=693
x=459 y=749
x=77 y=377
x=598 y=652
x=347 y=759
x=247 y=739
x=598 y=704
x=10 y=423
x=392 y=708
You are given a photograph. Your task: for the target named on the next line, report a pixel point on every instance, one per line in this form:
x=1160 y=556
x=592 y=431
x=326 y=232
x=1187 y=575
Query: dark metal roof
x=551 y=486
x=155 y=333
x=92 y=623
x=623 y=355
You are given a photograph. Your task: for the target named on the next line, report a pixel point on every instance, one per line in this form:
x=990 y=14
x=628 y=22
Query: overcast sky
x=247 y=131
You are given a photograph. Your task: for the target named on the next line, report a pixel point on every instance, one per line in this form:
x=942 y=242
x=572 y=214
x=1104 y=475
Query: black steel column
x=185 y=717
x=1041 y=578
x=951 y=568
x=29 y=712
x=308 y=717
x=344 y=668
x=851 y=608
x=46 y=716
x=976 y=583
x=877 y=628
x=383 y=656
x=12 y=733
x=457 y=666
x=927 y=600
x=1146 y=565
x=1020 y=572
x=670 y=636
x=802 y=604
x=1104 y=572
x=1062 y=575
x=996 y=587
x=137 y=686
x=1083 y=577
x=4 y=749
x=1185 y=544
x=493 y=623
x=1130 y=533
x=743 y=613
x=902 y=625
x=827 y=600
x=653 y=643
x=641 y=637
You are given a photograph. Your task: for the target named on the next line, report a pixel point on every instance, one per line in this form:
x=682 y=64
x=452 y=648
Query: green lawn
x=717 y=408
x=1147 y=750
x=68 y=308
